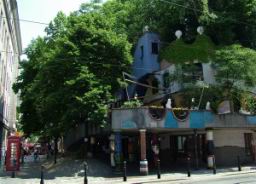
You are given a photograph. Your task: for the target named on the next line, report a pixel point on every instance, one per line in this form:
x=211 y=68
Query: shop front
x=142 y=136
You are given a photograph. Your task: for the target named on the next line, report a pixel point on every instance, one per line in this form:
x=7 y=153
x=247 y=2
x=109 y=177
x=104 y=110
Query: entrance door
x=125 y=148
x=182 y=146
x=130 y=148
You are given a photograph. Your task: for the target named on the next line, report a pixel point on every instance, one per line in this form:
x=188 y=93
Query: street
x=232 y=179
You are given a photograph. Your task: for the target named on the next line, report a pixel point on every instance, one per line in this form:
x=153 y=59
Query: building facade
x=173 y=133
x=10 y=51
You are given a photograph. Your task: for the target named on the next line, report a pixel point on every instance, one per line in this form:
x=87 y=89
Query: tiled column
x=118 y=150
x=210 y=148
x=112 y=149
x=143 y=157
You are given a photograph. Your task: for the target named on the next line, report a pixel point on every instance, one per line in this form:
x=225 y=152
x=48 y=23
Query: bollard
x=42 y=175
x=85 y=173
x=158 y=169
x=238 y=163
x=22 y=159
x=13 y=174
x=125 y=174
x=188 y=166
x=214 y=165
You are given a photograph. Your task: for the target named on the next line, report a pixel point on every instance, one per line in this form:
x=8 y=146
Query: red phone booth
x=13 y=153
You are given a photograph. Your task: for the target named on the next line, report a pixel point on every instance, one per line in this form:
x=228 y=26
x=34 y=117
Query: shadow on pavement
x=70 y=167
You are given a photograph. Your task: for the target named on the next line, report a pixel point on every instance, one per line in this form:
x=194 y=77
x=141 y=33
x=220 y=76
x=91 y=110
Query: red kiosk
x=13 y=153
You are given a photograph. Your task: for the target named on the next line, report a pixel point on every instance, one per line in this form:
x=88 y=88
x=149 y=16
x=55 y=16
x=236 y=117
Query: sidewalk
x=70 y=171
x=178 y=177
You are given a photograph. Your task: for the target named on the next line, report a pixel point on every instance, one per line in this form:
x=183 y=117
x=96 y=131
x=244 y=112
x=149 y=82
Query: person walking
x=36 y=155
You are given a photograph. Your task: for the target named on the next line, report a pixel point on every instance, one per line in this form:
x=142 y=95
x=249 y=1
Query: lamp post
x=85 y=147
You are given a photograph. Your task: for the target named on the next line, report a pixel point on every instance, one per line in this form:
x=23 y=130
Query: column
x=91 y=147
x=210 y=148
x=118 y=151
x=143 y=158
x=112 y=150
x=254 y=146
x=195 y=147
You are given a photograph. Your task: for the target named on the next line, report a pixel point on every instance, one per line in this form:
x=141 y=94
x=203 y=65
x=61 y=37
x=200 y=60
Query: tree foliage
x=225 y=21
x=235 y=66
x=71 y=74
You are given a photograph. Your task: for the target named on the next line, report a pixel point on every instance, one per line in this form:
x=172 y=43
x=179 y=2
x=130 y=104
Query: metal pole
x=188 y=166
x=158 y=169
x=42 y=175
x=196 y=151
x=55 y=149
x=126 y=88
x=125 y=174
x=85 y=173
x=201 y=96
x=13 y=174
x=239 y=164
x=214 y=165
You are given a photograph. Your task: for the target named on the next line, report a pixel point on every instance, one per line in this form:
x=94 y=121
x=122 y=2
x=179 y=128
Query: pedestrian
x=49 y=150
x=35 y=155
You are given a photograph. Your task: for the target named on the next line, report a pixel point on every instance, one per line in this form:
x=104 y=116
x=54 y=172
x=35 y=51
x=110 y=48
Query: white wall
x=229 y=137
x=208 y=73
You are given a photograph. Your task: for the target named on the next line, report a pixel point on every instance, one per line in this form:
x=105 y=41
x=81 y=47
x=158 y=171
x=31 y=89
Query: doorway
x=190 y=145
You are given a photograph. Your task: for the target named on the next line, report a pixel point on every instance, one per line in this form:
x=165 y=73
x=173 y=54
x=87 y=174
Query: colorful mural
x=198 y=119
x=128 y=124
x=165 y=118
x=251 y=119
x=170 y=121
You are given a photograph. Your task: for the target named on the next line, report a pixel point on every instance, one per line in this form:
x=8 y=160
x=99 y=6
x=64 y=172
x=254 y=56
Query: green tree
x=76 y=70
x=235 y=66
x=73 y=72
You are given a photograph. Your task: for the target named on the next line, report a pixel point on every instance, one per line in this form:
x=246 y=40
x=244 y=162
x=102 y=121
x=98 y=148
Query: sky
x=41 y=11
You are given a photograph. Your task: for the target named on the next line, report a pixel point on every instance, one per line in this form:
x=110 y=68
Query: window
x=248 y=143
x=181 y=141
x=193 y=71
x=141 y=52
x=154 y=47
